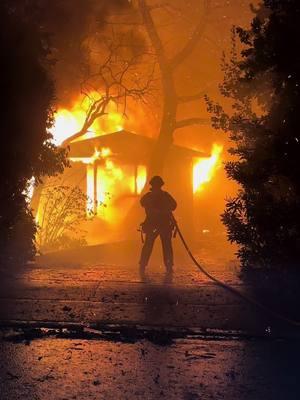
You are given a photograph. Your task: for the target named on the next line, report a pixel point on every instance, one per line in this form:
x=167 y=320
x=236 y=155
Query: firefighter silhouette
x=159 y=221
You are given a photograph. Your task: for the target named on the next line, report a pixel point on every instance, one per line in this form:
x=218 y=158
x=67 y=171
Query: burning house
x=114 y=173
x=111 y=170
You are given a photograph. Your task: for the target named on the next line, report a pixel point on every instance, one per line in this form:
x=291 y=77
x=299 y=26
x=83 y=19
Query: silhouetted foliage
x=25 y=114
x=62 y=211
x=262 y=81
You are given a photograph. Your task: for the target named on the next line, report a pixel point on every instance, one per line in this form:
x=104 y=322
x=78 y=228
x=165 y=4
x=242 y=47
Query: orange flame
x=66 y=124
x=205 y=168
x=105 y=182
x=69 y=122
x=141 y=178
x=108 y=186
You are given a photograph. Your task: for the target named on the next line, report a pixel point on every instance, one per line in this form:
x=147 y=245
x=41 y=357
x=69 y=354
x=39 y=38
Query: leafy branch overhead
x=262 y=83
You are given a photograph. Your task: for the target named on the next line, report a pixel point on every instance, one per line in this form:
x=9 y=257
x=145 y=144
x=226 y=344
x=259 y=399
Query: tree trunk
x=165 y=137
x=161 y=147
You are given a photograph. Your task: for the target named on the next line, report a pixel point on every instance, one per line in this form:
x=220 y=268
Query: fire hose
x=229 y=288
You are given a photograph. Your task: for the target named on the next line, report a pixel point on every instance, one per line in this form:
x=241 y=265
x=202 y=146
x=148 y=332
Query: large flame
x=107 y=183
x=98 y=154
x=110 y=187
x=205 y=168
x=68 y=122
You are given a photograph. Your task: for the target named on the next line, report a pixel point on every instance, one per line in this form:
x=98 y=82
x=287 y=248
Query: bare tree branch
x=122 y=75
x=118 y=78
x=158 y=6
x=192 y=121
x=197 y=95
x=192 y=97
x=123 y=23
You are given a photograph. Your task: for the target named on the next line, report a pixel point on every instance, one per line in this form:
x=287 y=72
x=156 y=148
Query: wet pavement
x=117 y=294
x=98 y=331
x=187 y=369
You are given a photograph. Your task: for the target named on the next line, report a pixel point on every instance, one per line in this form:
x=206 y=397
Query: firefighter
x=159 y=221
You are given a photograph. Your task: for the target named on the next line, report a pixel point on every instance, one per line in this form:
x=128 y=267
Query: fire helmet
x=156 y=181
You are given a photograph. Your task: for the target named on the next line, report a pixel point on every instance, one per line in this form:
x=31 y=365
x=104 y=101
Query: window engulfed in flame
x=110 y=179
x=105 y=182
x=205 y=168
x=140 y=179
x=98 y=154
x=111 y=187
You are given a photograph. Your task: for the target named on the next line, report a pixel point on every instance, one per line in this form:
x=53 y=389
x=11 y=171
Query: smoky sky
x=69 y=24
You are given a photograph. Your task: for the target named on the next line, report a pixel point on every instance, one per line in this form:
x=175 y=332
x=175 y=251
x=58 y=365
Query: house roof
x=126 y=145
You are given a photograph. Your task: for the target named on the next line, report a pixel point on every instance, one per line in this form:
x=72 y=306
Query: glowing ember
x=205 y=168
x=109 y=180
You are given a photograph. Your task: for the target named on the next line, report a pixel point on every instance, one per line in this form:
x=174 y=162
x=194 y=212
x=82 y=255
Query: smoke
x=70 y=24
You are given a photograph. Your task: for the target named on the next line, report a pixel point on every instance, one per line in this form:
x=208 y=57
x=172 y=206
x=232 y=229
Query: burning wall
x=114 y=173
x=112 y=178
x=200 y=72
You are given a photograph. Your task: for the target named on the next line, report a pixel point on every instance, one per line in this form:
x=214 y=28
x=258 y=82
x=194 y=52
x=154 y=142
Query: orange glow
x=205 y=168
x=109 y=186
x=98 y=154
x=90 y=188
x=114 y=189
x=104 y=177
x=141 y=178
x=107 y=182
x=69 y=122
x=66 y=124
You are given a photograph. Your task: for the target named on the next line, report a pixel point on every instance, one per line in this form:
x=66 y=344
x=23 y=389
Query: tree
x=63 y=210
x=116 y=80
x=262 y=81
x=26 y=115
x=167 y=68
x=130 y=71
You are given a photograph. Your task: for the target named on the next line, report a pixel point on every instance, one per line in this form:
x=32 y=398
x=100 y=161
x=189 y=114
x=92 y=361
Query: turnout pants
x=166 y=242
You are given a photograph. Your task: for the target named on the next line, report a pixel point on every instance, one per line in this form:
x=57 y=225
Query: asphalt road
x=187 y=369
x=103 y=331
x=116 y=294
